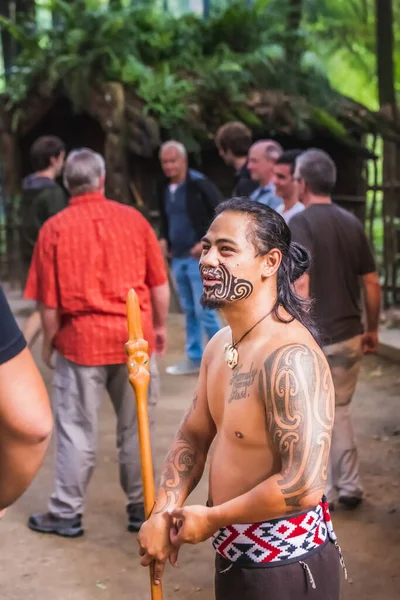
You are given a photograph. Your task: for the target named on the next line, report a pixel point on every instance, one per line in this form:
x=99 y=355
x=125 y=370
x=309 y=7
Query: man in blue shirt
x=262 y=158
x=187 y=201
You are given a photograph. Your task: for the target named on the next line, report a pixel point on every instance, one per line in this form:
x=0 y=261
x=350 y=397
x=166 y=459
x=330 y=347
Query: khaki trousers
x=343 y=473
x=78 y=393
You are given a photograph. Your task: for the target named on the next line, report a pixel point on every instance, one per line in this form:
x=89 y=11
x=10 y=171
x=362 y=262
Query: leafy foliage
x=343 y=34
x=186 y=70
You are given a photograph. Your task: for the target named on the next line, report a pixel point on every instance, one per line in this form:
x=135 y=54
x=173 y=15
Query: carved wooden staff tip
x=136 y=347
x=135 y=331
x=138 y=366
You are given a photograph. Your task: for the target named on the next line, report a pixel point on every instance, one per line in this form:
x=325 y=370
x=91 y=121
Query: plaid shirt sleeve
x=155 y=266
x=42 y=281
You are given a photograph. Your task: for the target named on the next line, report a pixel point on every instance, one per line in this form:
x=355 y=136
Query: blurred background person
x=42 y=197
x=285 y=185
x=187 y=200
x=262 y=158
x=342 y=265
x=85 y=261
x=233 y=141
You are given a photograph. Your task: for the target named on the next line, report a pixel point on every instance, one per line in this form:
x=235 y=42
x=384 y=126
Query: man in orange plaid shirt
x=86 y=259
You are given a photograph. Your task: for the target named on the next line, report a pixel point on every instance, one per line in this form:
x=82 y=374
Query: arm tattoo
x=297 y=388
x=178 y=468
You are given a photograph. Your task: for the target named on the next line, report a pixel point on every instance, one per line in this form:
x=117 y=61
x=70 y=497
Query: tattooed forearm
x=299 y=396
x=178 y=468
x=182 y=469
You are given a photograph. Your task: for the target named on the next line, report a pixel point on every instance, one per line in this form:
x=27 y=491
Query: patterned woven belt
x=277 y=541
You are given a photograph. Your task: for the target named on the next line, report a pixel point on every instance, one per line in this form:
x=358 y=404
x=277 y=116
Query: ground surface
x=104 y=565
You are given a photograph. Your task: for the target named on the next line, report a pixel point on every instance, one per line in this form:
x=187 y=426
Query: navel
x=239 y=435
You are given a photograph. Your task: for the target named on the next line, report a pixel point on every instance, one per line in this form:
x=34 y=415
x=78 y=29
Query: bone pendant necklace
x=231 y=353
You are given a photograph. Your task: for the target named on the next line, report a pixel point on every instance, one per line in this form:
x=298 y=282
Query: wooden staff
x=139 y=377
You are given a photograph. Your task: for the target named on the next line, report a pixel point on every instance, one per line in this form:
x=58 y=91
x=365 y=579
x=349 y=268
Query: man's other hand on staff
x=155 y=545
x=193 y=525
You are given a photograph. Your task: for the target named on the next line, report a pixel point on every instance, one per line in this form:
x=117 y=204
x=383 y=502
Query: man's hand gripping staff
x=139 y=377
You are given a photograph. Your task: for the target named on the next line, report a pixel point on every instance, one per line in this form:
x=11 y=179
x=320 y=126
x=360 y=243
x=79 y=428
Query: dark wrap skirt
x=315 y=578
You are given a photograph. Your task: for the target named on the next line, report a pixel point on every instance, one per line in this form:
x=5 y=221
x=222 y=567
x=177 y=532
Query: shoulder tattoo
x=298 y=392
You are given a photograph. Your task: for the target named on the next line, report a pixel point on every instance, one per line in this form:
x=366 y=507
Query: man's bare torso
x=243 y=454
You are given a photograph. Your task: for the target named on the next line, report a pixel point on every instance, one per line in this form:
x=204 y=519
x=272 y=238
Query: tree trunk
x=25 y=6
x=391 y=155
x=293 y=45
x=9 y=47
x=385 y=55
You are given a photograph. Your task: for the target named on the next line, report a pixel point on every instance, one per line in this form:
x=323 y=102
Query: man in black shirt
x=42 y=197
x=233 y=141
x=25 y=414
x=342 y=264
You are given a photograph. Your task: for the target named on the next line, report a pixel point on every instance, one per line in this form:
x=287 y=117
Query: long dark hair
x=270 y=231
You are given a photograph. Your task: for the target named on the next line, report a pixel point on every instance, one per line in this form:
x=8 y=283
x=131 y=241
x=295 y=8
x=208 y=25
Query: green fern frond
x=190 y=73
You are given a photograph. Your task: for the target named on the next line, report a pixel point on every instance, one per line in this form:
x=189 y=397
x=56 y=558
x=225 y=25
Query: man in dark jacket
x=233 y=141
x=187 y=200
x=42 y=197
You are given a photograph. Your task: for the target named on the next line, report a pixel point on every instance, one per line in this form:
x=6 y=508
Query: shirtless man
x=265 y=398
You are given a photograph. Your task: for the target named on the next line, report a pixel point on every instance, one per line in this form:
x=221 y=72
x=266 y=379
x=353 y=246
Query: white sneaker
x=185 y=367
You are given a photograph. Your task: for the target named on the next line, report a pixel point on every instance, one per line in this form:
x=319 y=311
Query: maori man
x=265 y=398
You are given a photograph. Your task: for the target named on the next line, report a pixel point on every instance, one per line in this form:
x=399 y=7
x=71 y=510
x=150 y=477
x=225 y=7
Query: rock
x=376 y=372
x=101 y=586
x=177 y=588
x=392 y=318
x=392 y=510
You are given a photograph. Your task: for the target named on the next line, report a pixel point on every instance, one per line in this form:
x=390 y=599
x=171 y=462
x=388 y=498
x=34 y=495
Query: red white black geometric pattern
x=276 y=541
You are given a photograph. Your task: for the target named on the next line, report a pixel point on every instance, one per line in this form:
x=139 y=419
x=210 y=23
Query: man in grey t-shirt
x=342 y=264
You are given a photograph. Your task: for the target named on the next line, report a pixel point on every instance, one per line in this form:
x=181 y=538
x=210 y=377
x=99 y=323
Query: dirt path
x=103 y=564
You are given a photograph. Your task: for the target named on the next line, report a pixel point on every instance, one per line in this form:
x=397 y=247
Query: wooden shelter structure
x=115 y=122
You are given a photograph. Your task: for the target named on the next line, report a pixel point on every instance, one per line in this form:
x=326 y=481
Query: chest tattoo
x=240 y=383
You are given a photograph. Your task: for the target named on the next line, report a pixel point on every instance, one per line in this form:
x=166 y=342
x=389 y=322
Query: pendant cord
x=235 y=344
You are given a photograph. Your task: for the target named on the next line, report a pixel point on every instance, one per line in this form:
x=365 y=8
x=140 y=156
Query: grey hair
x=273 y=150
x=83 y=170
x=173 y=144
x=318 y=171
